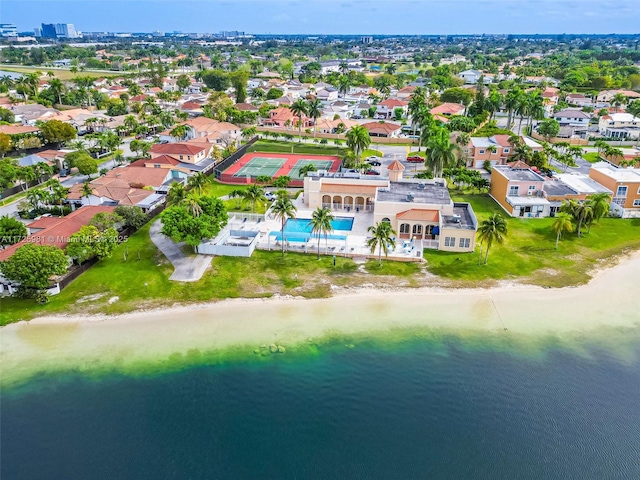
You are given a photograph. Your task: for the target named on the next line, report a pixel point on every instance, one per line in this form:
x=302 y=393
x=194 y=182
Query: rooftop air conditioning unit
x=456 y=219
x=529 y=193
x=410 y=197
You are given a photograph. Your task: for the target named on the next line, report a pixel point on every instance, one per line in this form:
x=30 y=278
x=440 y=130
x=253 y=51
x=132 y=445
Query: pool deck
x=353 y=246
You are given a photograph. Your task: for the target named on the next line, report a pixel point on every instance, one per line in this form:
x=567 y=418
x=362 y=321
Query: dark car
x=415 y=159
x=372 y=172
x=374 y=163
x=63 y=173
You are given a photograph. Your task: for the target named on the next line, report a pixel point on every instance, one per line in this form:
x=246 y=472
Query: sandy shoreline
x=609 y=303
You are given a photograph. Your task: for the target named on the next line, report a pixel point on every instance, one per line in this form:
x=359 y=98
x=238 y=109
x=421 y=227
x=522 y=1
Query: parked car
x=415 y=159
x=356 y=117
x=380 y=117
x=63 y=173
x=270 y=196
x=373 y=162
x=372 y=172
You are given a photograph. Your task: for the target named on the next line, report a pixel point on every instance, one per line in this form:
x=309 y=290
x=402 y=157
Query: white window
x=464 y=242
x=513 y=190
x=636 y=202
x=532 y=188
x=449 y=241
x=506 y=150
x=621 y=192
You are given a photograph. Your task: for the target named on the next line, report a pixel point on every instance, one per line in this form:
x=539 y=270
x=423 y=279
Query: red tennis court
x=255 y=164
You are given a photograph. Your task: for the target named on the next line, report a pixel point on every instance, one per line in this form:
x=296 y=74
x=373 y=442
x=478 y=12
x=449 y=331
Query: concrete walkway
x=187 y=269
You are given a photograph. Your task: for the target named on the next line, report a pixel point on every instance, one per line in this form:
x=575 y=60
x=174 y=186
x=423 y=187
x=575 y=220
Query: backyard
x=529 y=255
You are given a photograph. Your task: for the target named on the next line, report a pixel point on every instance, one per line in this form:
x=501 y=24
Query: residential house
x=184 y=152
x=328 y=94
x=496 y=149
x=579 y=100
x=406 y=92
x=447 y=109
x=419 y=210
x=383 y=129
x=470 y=76
x=246 y=107
x=387 y=108
x=208 y=130
x=283 y=117
x=569 y=186
x=18 y=129
x=573 y=118
x=619 y=125
x=606 y=96
x=31 y=113
x=519 y=190
x=128 y=186
x=625 y=185
x=31 y=160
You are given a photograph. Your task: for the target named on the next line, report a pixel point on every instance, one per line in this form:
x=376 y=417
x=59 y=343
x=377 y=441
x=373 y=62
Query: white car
x=270 y=196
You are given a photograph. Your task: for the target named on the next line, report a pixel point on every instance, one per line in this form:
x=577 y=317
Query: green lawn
x=61 y=74
x=529 y=251
x=370 y=152
x=286 y=147
x=145 y=283
x=592 y=157
x=235 y=206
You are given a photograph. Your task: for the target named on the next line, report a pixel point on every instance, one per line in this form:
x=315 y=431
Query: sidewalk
x=187 y=269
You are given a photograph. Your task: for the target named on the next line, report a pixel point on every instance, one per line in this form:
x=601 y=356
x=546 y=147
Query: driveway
x=186 y=269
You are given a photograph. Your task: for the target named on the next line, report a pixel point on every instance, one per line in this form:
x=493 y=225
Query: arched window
x=417 y=229
x=386 y=220
x=405 y=228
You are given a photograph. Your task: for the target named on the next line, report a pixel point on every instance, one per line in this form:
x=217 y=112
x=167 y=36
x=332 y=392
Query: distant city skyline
x=383 y=17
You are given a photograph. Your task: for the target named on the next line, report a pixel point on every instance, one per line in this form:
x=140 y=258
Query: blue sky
x=331 y=16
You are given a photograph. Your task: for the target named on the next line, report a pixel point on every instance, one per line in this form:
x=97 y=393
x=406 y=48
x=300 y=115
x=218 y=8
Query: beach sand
x=609 y=303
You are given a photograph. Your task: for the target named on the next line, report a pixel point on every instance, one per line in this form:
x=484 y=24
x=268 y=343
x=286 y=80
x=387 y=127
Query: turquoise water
x=301 y=225
x=422 y=409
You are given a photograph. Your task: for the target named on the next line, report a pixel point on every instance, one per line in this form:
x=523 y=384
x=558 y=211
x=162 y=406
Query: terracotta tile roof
x=181 y=148
x=17 y=129
x=518 y=165
x=246 y=107
x=447 y=109
x=502 y=140
x=44 y=222
x=281 y=114
x=57 y=234
x=384 y=127
x=161 y=159
x=191 y=105
x=393 y=103
x=419 y=214
x=396 y=166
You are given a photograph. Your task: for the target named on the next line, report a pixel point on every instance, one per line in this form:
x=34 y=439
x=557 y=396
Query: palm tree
x=57 y=87
x=254 y=194
x=179 y=132
x=192 y=205
x=511 y=102
x=283 y=209
x=563 y=222
x=583 y=215
x=600 y=203
x=441 y=153
x=197 y=181
x=523 y=108
x=320 y=223
x=237 y=194
x=249 y=132
x=314 y=110
x=382 y=237
x=601 y=145
x=306 y=169
x=299 y=108
x=618 y=100
x=87 y=191
x=492 y=230
x=176 y=194
x=358 y=140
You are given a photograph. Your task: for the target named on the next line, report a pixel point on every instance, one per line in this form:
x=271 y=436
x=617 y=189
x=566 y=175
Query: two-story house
x=625 y=185
x=387 y=108
x=519 y=190
x=619 y=125
x=497 y=150
x=573 y=118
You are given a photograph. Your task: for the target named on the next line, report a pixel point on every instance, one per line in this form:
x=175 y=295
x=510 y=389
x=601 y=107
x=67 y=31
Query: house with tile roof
x=625 y=185
x=388 y=107
x=383 y=129
x=445 y=110
x=497 y=150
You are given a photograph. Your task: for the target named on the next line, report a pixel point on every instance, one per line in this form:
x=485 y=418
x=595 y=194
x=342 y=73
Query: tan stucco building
x=417 y=209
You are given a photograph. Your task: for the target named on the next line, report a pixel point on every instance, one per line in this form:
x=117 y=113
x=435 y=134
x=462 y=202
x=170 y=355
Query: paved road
x=187 y=269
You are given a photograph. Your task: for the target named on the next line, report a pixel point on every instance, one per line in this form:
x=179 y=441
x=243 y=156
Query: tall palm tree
x=314 y=110
x=600 y=203
x=563 y=222
x=492 y=230
x=382 y=238
x=283 y=209
x=358 y=140
x=86 y=191
x=427 y=125
x=197 y=181
x=192 y=205
x=254 y=194
x=57 y=87
x=306 y=169
x=511 y=102
x=441 y=153
x=176 y=194
x=618 y=100
x=299 y=108
x=523 y=108
x=320 y=223
x=179 y=132
x=583 y=215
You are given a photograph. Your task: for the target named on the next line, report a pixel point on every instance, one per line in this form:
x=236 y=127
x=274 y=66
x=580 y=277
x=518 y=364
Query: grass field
x=529 y=254
x=61 y=74
x=592 y=157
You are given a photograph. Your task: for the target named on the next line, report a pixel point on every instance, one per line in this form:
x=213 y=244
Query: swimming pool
x=305 y=237
x=301 y=225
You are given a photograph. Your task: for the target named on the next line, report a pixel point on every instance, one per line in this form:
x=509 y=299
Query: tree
x=283 y=209
x=458 y=123
x=441 y=153
x=274 y=93
x=358 y=140
x=197 y=181
x=5 y=144
x=320 y=223
x=105 y=220
x=254 y=194
x=282 y=181
x=314 y=110
x=131 y=215
x=7 y=116
x=32 y=266
x=563 y=222
x=11 y=231
x=182 y=226
x=382 y=238
x=55 y=131
x=306 y=169
x=549 y=128
x=85 y=164
x=179 y=132
x=457 y=95
x=89 y=242
x=299 y=108
x=600 y=203
x=183 y=82
x=492 y=230
x=239 y=80
x=176 y=194
x=217 y=80
x=634 y=108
